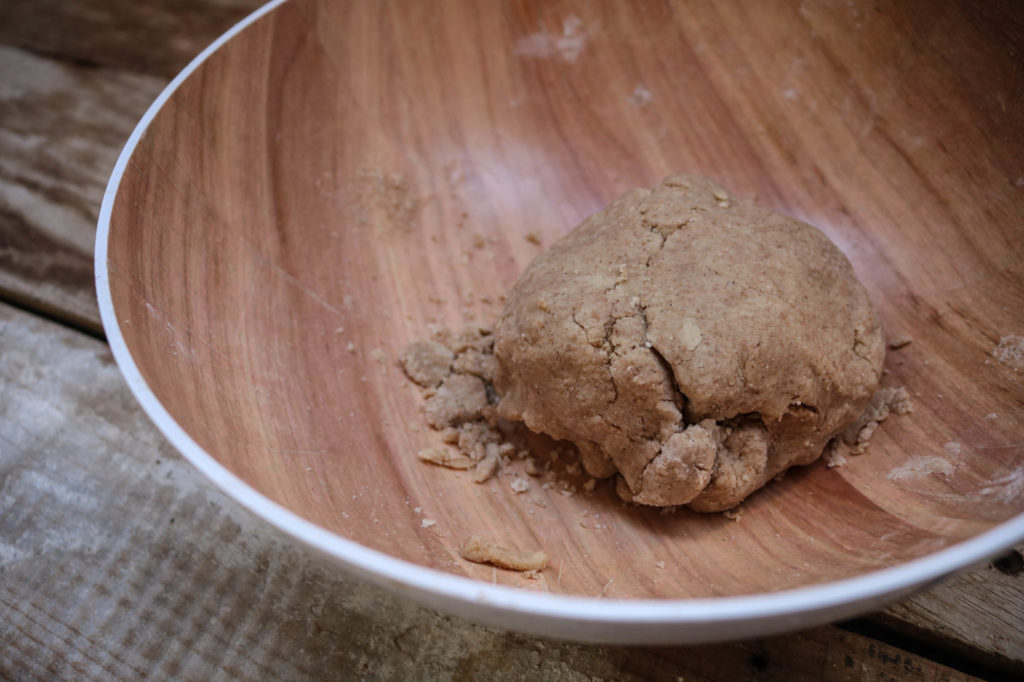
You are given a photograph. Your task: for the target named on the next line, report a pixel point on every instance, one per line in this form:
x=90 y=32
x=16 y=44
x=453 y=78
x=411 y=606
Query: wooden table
x=119 y=561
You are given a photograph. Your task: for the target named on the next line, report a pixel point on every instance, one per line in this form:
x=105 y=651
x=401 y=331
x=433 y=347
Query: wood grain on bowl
x=76 y=79
x=313 y=198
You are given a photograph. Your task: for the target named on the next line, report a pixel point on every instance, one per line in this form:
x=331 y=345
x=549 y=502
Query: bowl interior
x=340 y=176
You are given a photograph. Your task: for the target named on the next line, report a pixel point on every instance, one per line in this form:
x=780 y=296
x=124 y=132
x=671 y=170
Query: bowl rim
x=537 y=611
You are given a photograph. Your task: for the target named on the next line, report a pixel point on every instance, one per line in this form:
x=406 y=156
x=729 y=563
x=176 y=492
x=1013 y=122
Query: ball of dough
x=691 y=342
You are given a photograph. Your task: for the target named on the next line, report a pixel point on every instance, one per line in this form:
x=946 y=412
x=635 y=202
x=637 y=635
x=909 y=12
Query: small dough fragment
x=690 y=342
x=887 y=400
x=900 y=341
x=426 y=362
x=519 y=485
x=487 y=467
x=734 y=514
x=480 y=552
x=446 y=457
x=460 y=398
x=477 y=363
x=475 y=438
x=833 y=456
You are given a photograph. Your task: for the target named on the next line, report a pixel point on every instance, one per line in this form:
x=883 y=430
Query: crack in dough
x=696 y=346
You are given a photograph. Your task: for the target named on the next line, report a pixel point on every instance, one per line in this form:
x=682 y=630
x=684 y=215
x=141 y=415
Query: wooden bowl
x=330 y=178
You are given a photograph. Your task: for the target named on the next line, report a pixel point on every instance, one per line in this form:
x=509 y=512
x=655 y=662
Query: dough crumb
x=472 y=361
x=734 y=514
x=519 y=485
x=487 y=467
x=446 y=457
x=427 y=523
x=659 y=564
x=887 y=400
x=460 y=398
x=833 y=457
x=900 y=341
x=479 y=552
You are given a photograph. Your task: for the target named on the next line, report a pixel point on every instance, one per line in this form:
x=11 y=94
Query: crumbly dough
x=887 y=400
x=690 y=342
x=457 y=370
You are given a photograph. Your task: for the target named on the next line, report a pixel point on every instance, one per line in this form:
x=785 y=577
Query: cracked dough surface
x=690 y=342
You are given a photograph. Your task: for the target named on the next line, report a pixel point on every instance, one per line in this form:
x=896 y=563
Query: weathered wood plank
x=75 y=77
x=155 y=37
x=978 y=614
x=63 y=127
x=117 y=560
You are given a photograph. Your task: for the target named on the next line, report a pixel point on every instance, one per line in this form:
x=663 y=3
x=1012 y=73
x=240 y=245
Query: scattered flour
x=386 y=202
x=1007 y=488
x=919 y=467
x=641 y=96
x=568 y=45
x=1010 y=351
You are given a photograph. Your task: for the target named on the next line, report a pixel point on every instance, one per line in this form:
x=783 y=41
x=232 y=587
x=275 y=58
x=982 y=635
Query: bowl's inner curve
x=341 y=175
